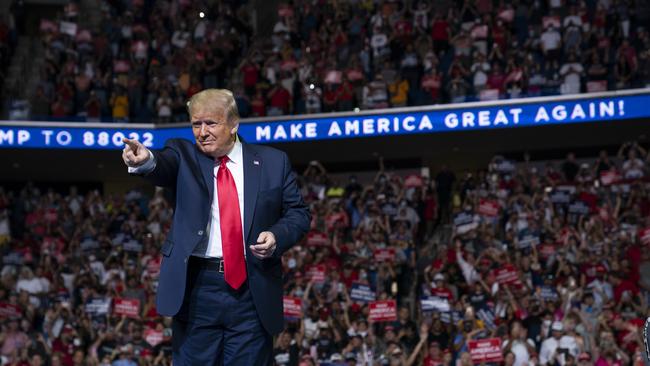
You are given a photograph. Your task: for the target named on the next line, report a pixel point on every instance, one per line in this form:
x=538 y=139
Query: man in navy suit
x=238 y=209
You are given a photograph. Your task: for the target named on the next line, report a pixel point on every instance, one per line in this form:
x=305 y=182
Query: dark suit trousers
x=217 y=325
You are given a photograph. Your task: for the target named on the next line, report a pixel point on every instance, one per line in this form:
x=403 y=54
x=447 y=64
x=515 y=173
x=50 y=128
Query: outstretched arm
x=158 y=167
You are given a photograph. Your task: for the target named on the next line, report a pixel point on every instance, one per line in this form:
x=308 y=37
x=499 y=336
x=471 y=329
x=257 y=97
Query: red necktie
x=232 y=242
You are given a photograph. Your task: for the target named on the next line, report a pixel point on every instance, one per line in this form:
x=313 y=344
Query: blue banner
x=417 y=121
x=461 y=119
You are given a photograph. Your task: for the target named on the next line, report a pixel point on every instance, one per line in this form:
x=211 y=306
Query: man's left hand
x=265 y=245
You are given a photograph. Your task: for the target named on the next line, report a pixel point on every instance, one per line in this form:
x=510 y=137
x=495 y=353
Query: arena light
x=201 y=15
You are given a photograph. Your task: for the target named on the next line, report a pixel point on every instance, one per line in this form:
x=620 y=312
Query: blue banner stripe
x=512 y=115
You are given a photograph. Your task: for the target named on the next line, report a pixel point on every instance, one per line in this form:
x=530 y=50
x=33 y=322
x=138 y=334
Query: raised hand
x=134 y=153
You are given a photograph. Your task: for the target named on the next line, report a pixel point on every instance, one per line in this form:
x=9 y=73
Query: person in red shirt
x=279 y=100
x=435 y=355
x=93 y=108
x=258 y=104
x=622 y=286
x=441 y=289
x=345 y=93
x=330 y=98
x=63 y=345
x=250 y=72
x=349 y=275
x=440 y=33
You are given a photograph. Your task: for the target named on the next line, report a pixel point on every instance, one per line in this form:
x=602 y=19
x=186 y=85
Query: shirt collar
x=235 y=155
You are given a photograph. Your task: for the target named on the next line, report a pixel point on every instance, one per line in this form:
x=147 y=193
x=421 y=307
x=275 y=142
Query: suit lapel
x=252 y=173
x=207 y=170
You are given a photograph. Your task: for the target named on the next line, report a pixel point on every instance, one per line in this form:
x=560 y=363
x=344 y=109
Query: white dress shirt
x=236 y=166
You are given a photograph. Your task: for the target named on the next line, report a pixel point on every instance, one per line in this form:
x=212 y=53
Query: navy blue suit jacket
x=272 y=202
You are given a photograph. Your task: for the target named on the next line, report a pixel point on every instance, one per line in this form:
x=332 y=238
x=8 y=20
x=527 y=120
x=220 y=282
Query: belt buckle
x=220 y=270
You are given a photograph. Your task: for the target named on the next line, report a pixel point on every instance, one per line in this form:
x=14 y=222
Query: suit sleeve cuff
x=145 y=168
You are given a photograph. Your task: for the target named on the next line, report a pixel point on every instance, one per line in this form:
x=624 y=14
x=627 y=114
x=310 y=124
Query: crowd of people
x=148 y=57
x=548 y=260
x=9 y=28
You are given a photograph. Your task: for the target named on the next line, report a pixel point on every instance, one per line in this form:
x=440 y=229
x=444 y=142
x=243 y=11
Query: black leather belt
x=215 y=264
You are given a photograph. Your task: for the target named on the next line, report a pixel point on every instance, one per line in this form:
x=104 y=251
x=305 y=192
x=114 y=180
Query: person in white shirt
x=547 y=353
x=33 y=285
x=572 y=72
x=480 y=70
x=519 y=344
x=551 y=43
x=467 y=266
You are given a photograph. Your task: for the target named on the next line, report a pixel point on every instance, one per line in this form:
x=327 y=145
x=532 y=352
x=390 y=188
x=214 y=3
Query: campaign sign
x=128 y=307
x=464 y=222
x=13 y=258
x=434 y=303
x=317 y=238
x=132 y=246
x=506 y=275
x=488 y=208
x=485 y=350
x=548 y=293
x=383 y=311
x=413 y=180
x=362 y=293
x=487 y=316
x=528 y=241
x=608 y=177
x=316 y=273
x=153 y=337
x=88 y=245
x=292 y=308
x=579 y=208
x=560 y=197
x=9 y=311
x=546 y=250
x=385 y=254
x=98 y=306
x=451 y=317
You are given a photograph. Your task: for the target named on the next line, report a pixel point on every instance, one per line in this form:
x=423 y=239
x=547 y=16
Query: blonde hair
x=215 y=99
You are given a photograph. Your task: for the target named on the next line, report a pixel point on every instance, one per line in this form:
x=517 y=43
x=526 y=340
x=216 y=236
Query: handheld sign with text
x=488 y=208
x=413 y=180
x=506 y=275
x=362 y=293
x=98 y=306
x=528 y=241
x=385 y=254
x=153 y=337
x=464 y=222
x=383 y=311
x=292 y=308
x=609 y=177
x=128 y=307
x=316 y=273
x=317 y=239
x=485 y=350
x=9 y=311
x=579 y=208
x=434 y=303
